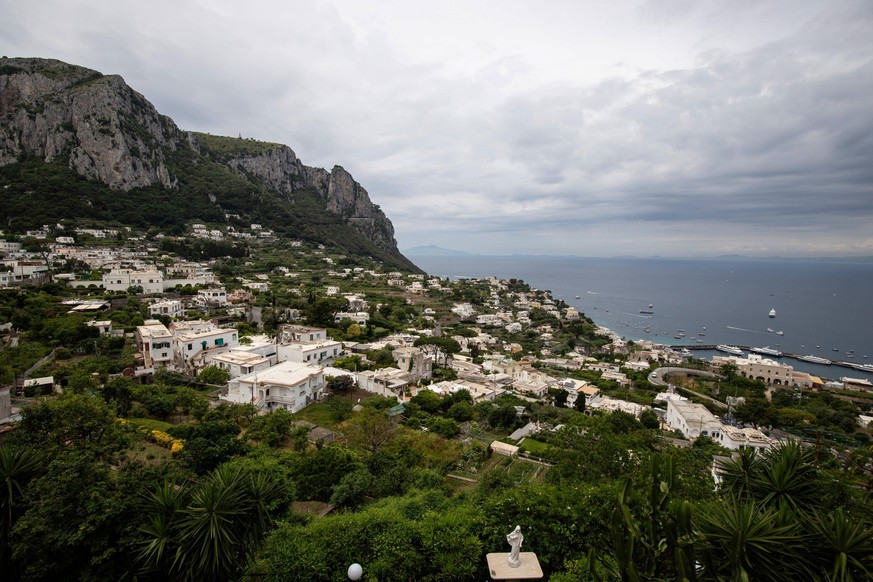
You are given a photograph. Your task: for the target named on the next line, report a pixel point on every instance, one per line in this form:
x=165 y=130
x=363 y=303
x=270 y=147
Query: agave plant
x=843 y=546
x=742 y=541
x=18 y=465
x=211 y=531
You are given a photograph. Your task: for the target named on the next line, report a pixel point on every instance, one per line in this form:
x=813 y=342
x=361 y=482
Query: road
x=659 y=378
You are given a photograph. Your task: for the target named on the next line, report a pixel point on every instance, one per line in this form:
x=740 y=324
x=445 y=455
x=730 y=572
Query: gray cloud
x=660 y=127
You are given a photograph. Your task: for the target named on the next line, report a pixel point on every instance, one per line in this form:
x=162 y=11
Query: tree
x=428 y=400
x=579 y=405
x=758 y=411
x=341 y=384
x=561 y=397
x=271 y=429
x=371 y=429
x=650 y=420
x=439 y=345
x=214 y=375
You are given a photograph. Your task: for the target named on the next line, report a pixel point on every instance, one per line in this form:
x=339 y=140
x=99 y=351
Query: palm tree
x=843 y=546
x=741 y=541
x=212 y=531
x=789 y=478
x=18 y=465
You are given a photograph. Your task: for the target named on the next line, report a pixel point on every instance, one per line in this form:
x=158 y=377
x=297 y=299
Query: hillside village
x=316 y=342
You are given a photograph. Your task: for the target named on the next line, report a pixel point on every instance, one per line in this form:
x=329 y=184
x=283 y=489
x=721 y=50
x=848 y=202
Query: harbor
x=866 y=370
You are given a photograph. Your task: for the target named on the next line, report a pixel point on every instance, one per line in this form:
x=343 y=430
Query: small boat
x=772 y=313
x=766 y=350
x=729 y=349
x=780 y=333
x=771 y=330
x=647 y=311
x=577 y=297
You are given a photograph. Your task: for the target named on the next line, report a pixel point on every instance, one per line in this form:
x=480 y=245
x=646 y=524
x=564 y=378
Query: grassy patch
x=234 y=146
x=533 y=446
x=150 y=424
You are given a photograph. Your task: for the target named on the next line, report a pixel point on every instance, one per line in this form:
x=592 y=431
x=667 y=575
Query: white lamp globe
x=355 y=572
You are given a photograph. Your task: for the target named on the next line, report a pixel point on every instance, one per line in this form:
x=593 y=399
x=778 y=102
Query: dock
x=792 y=355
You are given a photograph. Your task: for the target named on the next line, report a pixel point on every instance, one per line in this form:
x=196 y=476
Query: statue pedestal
x=528 y=569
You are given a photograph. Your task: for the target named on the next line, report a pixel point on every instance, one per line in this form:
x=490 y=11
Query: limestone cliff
x=109 y=131
x=283 y=171
x=111 y=134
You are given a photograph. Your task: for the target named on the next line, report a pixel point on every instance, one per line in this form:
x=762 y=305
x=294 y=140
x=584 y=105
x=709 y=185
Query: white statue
x=515 y=539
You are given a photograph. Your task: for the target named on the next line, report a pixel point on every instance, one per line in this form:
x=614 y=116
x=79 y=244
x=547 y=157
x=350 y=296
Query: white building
x=390 y=382
x=359 y=317
x=240 y=363
x=289 y=385
x=151 y=280
x=155 y=342
x=194 y=341
x=298 y=343
x=694 y=420
x=415 y=361
x=212 y=296
x=171 y=308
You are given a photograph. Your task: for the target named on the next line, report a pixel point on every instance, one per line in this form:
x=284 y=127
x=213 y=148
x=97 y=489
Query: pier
x=713 y=348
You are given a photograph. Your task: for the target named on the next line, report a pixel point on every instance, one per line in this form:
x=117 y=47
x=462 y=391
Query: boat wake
x=636 y=315
x=744 y=329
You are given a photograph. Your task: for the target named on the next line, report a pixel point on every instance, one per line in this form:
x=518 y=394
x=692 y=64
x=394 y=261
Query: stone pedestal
x=528 y=569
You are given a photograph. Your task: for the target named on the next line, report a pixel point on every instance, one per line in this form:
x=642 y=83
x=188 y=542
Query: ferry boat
x=729 y=349
x=772 y=313
x=767 y=351
x=815 y=360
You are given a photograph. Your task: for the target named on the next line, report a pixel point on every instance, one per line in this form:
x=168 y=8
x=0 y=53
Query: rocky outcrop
x=281 y=170
x=108 y=131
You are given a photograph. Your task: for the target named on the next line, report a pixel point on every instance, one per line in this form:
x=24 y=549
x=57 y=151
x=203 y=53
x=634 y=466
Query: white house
x=239 y=363
x=171 y=308
x=359 y=317
x=151 y=280
x=194 y=340
x=390 y=382
x=694 y=420
x=212 y=296
x=155 y=342
x=289 y=385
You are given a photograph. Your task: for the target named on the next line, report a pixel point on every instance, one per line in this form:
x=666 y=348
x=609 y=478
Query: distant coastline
x=437 y=251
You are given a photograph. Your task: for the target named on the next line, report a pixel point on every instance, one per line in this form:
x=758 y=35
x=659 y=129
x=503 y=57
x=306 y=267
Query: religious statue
x=515 y=539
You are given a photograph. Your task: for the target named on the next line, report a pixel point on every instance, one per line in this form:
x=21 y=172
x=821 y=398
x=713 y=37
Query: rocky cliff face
x=283 y=171
x=108 y=130
x=112 y=134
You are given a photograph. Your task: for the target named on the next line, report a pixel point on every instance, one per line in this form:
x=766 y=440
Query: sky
x=663 y=127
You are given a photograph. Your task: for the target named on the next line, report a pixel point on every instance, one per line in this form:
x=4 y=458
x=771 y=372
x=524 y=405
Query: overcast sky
x=671 y=127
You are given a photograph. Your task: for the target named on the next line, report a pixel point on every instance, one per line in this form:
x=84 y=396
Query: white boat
x=771 y=330
x=815 y=360
x=780 y=332
x=767 y=351
x=772 y=313
x=729 y=349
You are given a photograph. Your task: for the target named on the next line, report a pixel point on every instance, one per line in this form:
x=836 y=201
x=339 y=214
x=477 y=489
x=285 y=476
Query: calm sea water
x=823 y=308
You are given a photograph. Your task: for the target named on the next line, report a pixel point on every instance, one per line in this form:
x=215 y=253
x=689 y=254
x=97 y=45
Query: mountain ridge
x=106 y=132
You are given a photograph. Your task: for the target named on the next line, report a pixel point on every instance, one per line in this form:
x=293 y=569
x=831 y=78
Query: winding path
x=659 y=378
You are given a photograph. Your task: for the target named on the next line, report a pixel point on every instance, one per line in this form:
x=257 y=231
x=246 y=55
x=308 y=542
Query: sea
x=822 y=307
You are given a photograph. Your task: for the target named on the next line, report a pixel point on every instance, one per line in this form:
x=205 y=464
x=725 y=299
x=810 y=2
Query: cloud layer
x=672 y=127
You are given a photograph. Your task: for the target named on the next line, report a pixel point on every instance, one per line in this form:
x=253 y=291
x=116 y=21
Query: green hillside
x=33 y=193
